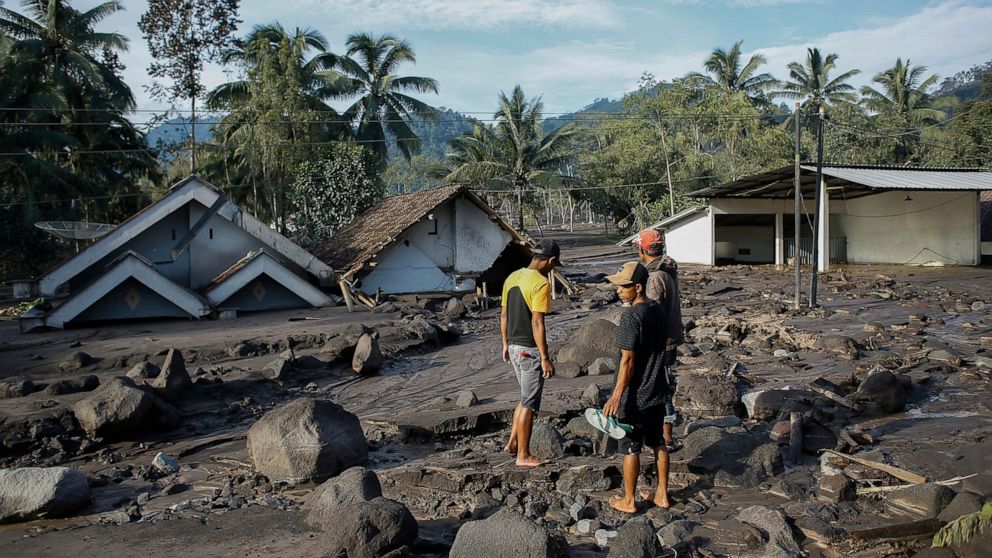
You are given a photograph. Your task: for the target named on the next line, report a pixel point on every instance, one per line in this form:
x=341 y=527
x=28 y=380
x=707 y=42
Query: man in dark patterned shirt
x=663 y=287
x=641 y=387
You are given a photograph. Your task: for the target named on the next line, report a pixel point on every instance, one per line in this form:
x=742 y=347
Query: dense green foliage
x=331 y=191
x=513 y=155
x=69 y=149
x=64 y=130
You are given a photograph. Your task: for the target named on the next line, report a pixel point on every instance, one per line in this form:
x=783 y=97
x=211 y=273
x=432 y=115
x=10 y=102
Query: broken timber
x=896 y=472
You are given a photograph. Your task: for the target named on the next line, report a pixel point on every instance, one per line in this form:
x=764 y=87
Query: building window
x=173 y=234
x=211 y=233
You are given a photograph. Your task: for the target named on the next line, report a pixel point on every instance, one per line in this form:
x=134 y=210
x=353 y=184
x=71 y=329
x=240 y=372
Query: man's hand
x=547 y=367
x=506 y=353
x=612 y=406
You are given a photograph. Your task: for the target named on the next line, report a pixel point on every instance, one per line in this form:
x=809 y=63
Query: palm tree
x=811 y=82
x=281 y=103
x=320 y=81
x=383 y=107
x=726 y=73
x=515 y=153
x=904 y=94
x=60 y=46
x=64 y=77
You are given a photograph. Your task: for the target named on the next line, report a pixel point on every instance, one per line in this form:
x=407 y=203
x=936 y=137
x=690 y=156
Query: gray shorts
x=527 y=366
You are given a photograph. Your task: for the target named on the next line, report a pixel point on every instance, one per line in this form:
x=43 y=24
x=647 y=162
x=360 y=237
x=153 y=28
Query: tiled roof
x=378 y=227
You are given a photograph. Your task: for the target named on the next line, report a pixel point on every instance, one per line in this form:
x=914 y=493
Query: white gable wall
x=212 y=256
x=440 y=247
x=405 y=268
x=479 y=240
x=691 y=240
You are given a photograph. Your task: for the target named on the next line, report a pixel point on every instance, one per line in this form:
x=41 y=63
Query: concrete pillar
x=779 y=240
x=823 y=229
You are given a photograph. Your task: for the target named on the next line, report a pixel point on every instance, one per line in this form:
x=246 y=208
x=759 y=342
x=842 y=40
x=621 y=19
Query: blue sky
x=573 y=51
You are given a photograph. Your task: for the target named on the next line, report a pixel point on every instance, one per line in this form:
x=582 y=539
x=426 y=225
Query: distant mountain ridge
x=435 y=135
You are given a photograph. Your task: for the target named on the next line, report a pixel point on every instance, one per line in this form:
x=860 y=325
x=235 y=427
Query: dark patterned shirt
x=643 y=329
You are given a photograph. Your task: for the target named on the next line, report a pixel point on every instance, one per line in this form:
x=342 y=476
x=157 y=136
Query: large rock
x=15 y=387
x=568 y=370
x=306 y=439
x=546 y=442
x=924 y=500
x=142 y=371
x=506 y=534
x=115 y=410
x=781 y=542
x=707 y=395
x=602 y=366
x=75 y=361
x=88 y=382
x=41 y=492
x=880 y=394
x=354 y=485
x=370 y=529
x=771 y=404
x=734 y=456
x=962 y=504
x=367 y=357
x=173 y=380
x=636 y=539
x=594 y=339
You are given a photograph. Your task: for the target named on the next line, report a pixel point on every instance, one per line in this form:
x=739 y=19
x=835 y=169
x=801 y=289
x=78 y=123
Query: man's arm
x=506 y=336
x=623 y=380
x=537 y=327
x=656 y=286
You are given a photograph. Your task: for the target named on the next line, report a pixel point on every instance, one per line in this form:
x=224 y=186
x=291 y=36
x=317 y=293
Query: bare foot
x=531 y=461
x=620 y=504
x=660 y=500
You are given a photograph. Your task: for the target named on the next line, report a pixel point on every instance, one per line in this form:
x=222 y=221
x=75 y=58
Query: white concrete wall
x=759 y=240
x=933 y=226
x=440 y=247
x=691 y=240
x=405 y=269
x=478 y=240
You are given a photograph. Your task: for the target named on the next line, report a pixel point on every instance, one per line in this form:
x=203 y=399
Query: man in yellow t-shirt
x=526 y=299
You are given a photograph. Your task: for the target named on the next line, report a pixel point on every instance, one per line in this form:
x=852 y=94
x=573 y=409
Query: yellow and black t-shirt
x=525 y=291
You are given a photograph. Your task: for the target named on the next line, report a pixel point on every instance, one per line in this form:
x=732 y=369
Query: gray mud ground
x=429 y=455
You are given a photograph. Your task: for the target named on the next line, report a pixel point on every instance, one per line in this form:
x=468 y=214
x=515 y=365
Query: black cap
x=547 y=249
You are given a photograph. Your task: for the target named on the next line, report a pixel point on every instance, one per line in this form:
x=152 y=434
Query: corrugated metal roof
x=911 y=179
x=850 y=181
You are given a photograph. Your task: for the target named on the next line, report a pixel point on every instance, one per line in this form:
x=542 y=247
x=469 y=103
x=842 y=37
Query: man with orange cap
x=663 y=287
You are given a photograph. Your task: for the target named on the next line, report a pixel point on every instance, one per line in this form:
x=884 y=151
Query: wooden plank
x=877 y=489
x=896 y=472
x=364 y=299
x=833 y=396
x=346 y=293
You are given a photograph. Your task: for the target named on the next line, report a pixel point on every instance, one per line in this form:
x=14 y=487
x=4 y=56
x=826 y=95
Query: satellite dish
x=75 y=230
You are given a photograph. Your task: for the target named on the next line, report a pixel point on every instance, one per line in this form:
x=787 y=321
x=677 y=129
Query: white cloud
x=947 y=38
x=461 y=14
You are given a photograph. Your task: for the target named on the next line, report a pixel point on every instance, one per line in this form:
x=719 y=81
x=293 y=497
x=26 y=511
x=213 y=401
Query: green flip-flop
x=607 y=425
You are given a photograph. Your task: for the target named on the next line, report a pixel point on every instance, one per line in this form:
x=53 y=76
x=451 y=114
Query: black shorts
x=647 y=431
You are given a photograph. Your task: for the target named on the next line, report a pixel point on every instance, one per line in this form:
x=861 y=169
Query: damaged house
x=868 y=215
x=444 y=239
x=188 y=255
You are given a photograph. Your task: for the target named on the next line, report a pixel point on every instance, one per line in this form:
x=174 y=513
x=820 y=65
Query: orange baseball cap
x=651 y=240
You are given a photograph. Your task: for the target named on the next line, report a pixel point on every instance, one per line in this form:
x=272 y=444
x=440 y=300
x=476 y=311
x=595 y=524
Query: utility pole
x=816 y=215
x=797 y=186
